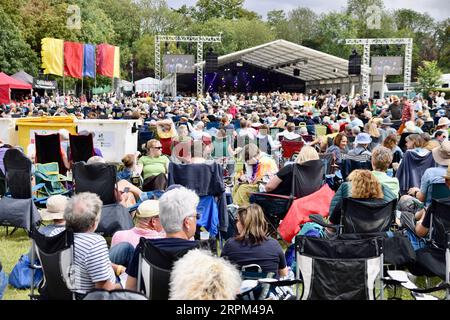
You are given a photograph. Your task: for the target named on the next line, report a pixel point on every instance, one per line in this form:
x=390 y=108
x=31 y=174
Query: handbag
x=20 y=277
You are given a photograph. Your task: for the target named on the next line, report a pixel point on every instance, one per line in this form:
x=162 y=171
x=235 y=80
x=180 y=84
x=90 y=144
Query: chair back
x=98 y=178
x=48 y=149
x=440 y=221
x=439 y=191
x=166 y=144
x=367 y=215
x=402 y=142
x=81 y=147
x=18 y=174
x=350 y=163
x=291 y=147
x=56 y=257
x=326 y=265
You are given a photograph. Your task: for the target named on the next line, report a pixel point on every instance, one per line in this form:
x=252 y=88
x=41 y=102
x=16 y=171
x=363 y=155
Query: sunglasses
x=159 y=148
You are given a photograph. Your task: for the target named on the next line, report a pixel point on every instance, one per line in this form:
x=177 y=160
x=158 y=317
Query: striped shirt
x=91 y=262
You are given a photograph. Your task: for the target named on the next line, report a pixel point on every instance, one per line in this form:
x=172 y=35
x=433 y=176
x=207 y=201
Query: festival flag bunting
x=52 y=56
x=73 y=59
x=89 y=61
x=105 y=60
x=116 y=62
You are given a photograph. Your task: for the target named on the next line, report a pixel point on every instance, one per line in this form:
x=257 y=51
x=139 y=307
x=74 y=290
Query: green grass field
x=13 y=246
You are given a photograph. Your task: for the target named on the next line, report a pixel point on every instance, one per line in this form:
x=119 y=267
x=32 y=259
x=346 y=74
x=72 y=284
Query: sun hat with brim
x=55 y=208
x=363 y=138
x=443 y=121
x=148 y=209
x=441 y=154
x=386 y=122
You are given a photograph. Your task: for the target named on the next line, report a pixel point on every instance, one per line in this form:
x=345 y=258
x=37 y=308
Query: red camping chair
x=166 y=146
x=290 y=148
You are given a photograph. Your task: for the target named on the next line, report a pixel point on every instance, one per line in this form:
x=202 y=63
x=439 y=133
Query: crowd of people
x=245 y=134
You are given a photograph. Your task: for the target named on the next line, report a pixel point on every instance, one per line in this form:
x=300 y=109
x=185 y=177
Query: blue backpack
x=20 y=277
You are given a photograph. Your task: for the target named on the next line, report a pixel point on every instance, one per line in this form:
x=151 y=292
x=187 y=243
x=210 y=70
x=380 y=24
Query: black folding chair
x=48 y=149
x=81 y=148
x=100 y=178
x=434 y=260
x=56 y=257
x=339 y=269
x=350 y=163
x=15 y=208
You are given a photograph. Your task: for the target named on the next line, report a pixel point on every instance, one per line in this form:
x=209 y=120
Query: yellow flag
x=52 y=56
x=116 y=62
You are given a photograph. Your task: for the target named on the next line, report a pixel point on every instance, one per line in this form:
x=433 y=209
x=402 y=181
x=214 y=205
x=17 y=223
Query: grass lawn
x=12 y=247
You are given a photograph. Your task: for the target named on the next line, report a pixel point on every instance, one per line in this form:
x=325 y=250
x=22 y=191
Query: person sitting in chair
x=91 y=265
x=178 y=215
x=154 y=166
x=307 y=159
x=252 y=245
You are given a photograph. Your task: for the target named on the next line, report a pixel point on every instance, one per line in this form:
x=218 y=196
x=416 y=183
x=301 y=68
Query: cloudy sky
x=439 y=9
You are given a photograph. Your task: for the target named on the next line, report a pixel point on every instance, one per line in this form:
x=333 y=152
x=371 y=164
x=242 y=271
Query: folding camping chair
x=48 y=149
x=154 y=268
x=289 y=148
x=434 y=259
x=166 y=144
x=53 y=182
x=439 y=191
x=14 y=207
x=339 y=269
x=56 y=257
x=81 y=147
x=100 y=178
x=367 y=216
x=206 y=179
x=350 y=163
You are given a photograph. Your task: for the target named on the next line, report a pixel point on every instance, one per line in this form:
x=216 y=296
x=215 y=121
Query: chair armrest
x=280 y=283
x=442 y=286
x=317 y=218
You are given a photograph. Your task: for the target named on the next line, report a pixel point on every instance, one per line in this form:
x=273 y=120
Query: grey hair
x=356 y=130
x=174 y=206
x=83 y=211
x=95 y=159
x=381 y=158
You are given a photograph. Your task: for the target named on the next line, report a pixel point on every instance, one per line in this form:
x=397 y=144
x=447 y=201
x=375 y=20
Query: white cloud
x=438 y=9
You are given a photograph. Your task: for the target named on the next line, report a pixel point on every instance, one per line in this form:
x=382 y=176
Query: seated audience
x=252 y=245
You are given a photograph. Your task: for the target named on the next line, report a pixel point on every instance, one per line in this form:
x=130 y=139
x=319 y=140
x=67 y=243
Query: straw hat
x=441 y=154
x=148 y=209
x=443 y=121
x=55 y=208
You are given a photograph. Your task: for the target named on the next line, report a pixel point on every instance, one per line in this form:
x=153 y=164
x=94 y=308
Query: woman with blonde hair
x=252 y=245
x=361 y=184
x=309 y=174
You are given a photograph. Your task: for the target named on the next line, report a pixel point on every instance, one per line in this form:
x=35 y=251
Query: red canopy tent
x=7 y=84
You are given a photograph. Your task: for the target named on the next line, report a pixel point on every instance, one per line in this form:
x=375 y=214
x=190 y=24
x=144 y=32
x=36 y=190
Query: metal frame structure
x=200 y=40
x=365 y=67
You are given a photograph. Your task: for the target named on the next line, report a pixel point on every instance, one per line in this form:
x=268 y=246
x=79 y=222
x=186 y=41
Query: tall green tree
x=429 y=76
x=15 y=53
x=227 y=9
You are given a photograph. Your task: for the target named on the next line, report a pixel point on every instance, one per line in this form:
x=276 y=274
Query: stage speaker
x=211 y=64
x=296 y=72
x=354 y=64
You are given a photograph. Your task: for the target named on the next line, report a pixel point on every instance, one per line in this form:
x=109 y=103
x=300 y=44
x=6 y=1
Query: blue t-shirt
x=430 y=176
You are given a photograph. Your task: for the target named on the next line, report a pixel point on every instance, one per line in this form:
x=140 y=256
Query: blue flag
x=89 y=61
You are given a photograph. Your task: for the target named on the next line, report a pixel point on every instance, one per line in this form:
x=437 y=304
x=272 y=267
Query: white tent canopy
x=148 y=84
x=126 y=85
x=283 y=56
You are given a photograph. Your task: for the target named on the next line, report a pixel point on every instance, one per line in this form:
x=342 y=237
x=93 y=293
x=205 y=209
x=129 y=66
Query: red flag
x=105 y=60
x=73 y=59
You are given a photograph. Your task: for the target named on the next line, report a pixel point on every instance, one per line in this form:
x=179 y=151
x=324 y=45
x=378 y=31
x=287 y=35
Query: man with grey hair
x=178 y=215
x=381 y=160
x=91 y=266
